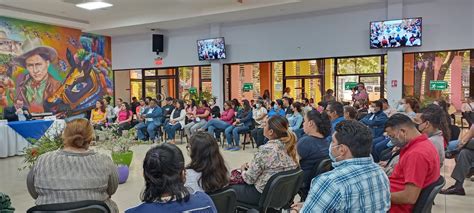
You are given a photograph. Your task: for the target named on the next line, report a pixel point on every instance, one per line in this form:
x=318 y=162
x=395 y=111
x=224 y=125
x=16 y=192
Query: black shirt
x=312 y=151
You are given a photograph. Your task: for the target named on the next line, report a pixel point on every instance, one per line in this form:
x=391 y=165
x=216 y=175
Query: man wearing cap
x=38 y=84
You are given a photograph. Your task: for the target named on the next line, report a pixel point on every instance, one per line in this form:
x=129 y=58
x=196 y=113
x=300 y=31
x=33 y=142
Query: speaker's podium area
x=236 y=106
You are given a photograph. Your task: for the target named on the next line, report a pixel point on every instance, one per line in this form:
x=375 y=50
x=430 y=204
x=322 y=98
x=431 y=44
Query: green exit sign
x=247 y=87
x=192 y=90
x=438 y=85
x=350 y=85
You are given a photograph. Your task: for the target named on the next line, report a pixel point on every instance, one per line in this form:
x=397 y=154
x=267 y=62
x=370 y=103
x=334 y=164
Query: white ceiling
x=139 y=16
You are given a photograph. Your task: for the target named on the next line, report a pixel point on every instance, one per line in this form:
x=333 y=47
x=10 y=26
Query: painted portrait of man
x=38 y=84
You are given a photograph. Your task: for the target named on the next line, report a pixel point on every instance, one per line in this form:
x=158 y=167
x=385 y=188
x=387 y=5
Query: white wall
x=446 y=25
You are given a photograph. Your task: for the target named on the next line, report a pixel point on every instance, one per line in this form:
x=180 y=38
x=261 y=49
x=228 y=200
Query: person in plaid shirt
x=356 y=184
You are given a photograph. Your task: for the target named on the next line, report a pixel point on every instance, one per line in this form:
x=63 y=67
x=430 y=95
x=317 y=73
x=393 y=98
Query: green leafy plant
x=119 y=145
x=38 y=147
x=205 y=95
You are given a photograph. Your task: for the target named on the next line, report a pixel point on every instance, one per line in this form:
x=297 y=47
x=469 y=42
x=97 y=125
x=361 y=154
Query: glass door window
x=167 y=87
x=372 y=85
x=150 y=88
x=310 y=88
x=344 y=92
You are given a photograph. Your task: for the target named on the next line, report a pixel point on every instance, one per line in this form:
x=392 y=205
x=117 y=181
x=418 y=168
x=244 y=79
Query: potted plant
x=119 y=145
x=43 y=145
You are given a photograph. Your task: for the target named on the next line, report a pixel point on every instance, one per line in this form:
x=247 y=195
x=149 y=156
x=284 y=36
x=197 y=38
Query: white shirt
x=257 y=113
x=192 y=180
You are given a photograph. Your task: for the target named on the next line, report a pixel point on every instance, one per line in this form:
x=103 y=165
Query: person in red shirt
x=418 y=166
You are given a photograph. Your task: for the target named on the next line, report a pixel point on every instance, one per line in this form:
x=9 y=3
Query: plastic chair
x=279 y=192
x=324 y=165
x=427 y=196
x=86 y=206
x=225 y=199
x=248 y=135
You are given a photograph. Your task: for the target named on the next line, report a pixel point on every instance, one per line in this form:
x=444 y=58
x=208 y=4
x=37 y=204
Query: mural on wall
x=52 y=69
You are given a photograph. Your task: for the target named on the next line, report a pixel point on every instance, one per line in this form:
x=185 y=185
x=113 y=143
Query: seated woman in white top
x=207 y=171
x=177 y=119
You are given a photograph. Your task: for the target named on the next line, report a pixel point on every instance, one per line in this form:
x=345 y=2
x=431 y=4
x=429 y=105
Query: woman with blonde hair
x=277 y=155
x=74 y=173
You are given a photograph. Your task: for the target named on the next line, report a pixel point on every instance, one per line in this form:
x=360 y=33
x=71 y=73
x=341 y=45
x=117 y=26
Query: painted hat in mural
x=32 y=47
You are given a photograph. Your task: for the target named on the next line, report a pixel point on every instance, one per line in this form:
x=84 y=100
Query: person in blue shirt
x=243 y=123
x=312 y=147
x=152 y=117
x=164 y=173
x=277 y=109
x=296 y=118
x=335 y=110
x=376 y=119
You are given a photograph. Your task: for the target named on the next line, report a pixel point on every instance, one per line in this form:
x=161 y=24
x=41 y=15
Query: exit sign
x=247 y=87
x=349 y=85
x=438 y=85
x=192 y=90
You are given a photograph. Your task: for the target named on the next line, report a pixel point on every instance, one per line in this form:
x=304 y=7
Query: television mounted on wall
x=394 y=33
x=211 y=49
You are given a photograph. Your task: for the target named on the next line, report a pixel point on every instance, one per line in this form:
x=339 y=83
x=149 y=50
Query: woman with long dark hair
x=278 y=155
x=164 y=173
x=98 y=115
x=200 y=118
x=313 y=147
x=124 y=118
x=226 y=119
x=243 y=123
x=206 y=171
x=177 y=119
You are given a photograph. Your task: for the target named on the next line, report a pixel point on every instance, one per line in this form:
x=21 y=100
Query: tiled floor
x=13 y=182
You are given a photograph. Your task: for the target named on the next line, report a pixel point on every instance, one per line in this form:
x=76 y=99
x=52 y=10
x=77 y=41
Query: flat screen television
x=211 y=49
x=405 y=32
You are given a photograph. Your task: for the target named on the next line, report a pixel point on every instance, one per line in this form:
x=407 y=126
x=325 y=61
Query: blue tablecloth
x=31 y=129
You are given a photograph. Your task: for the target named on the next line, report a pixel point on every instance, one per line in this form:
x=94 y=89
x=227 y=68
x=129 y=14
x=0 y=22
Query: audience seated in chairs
x=259 y=116
x=167 y=109
x=190 y=110
x=207 y=171
x=220 y=124
x=243 y=123
x=464 y=164
x=277 y=109
x=467 y=110
x=376 y=119
x=356 y=184
x=109 y=109
x=165 y=175
x=75 y=172
x=418 y=166
x=98 y=115
x=152 y=120
x=199 y=119
x=335 y=110
x=124 y=118
x=435 y=126
x=296 y=118
x=278 y=155
x=313 y=147
x=176 y=121
x=350 y=113
x=387 y=109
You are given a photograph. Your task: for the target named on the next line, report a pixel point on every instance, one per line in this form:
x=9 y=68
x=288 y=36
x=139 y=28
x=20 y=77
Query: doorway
x=305 y=87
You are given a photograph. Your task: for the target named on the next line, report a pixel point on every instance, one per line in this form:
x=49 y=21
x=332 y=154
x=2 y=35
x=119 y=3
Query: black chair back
x=225 y=200
x=324 y=165
x=427 y=196
x=455 y=131
x=281 y=189
x=86 y=206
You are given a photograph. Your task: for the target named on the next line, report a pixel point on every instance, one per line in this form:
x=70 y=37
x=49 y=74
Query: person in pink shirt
x=226 y=120
x=124 y=118
x=360 y=93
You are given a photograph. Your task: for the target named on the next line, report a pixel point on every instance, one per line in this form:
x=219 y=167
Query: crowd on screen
x=382 y=156
x=402 y=34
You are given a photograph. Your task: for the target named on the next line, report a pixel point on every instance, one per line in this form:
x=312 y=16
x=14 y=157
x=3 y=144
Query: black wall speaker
x=158 y=43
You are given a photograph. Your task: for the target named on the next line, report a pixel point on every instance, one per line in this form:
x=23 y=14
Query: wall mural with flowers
x=51 y=68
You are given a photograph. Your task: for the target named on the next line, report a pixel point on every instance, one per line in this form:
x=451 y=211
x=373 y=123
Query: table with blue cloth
x=15 y=136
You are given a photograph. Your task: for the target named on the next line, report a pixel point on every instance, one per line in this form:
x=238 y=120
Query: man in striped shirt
x=356 y=184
